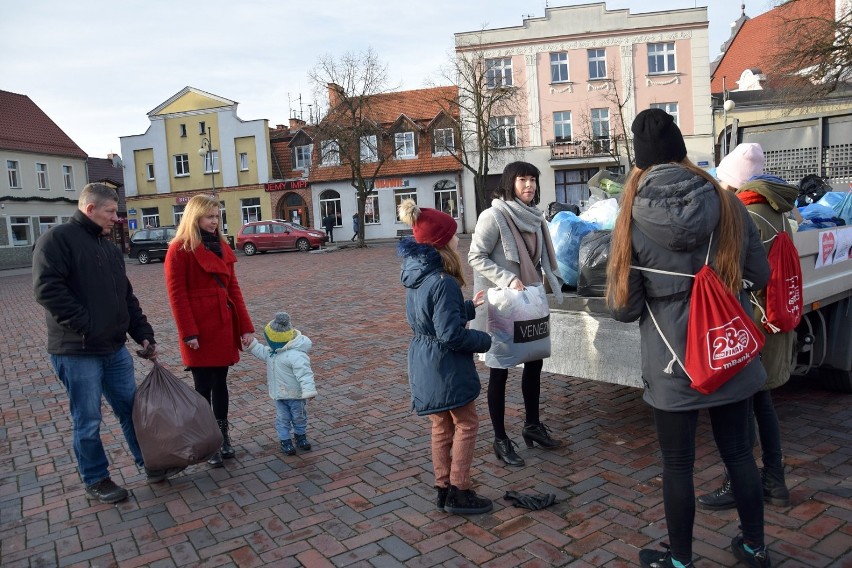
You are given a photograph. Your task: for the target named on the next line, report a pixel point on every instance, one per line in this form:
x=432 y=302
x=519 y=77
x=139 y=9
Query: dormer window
x=404 y=144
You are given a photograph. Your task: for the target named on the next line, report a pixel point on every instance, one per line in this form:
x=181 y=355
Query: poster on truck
x=835 y=246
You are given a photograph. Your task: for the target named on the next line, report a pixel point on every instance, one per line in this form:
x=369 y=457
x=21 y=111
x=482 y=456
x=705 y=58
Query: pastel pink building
x=583 y=73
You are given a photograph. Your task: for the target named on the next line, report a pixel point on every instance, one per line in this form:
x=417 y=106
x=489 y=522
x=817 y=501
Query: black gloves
x=533 y=502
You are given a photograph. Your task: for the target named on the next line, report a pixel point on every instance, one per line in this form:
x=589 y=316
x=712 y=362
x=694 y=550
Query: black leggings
x=530 y=388
x=211 y=383
x=676 y=434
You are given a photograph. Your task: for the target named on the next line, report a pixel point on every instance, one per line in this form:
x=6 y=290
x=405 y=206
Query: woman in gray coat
x=511 y=248
x=671 y=213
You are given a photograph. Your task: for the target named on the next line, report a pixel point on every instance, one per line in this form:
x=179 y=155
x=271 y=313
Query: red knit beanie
x=430 y=226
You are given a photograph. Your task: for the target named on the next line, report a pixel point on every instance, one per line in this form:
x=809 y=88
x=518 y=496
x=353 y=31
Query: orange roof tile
x=24 y=127
x=760 y=39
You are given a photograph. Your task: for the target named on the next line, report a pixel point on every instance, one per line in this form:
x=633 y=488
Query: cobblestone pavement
x=363 y=495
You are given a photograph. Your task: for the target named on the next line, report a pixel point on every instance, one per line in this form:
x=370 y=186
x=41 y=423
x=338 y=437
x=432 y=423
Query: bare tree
x=489 y=107
x=813 y=57
x=617 y=142
x=347 y=135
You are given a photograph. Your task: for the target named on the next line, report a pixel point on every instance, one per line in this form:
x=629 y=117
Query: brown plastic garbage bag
x=174 y=425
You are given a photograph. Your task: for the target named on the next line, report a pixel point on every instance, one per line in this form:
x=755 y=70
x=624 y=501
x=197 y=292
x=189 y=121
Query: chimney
x=296 y=123
x=280 y=127
x=335 y=95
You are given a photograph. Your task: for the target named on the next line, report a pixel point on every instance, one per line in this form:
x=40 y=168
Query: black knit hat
x=656 y=139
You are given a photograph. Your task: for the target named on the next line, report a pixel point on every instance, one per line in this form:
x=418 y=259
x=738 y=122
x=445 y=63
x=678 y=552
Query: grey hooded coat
x=674 y=214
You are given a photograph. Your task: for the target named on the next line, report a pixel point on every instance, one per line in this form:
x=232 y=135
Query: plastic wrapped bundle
x=594 y=254
x=567 y=231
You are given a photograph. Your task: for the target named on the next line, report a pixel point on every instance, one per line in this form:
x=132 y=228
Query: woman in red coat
x=208 y=307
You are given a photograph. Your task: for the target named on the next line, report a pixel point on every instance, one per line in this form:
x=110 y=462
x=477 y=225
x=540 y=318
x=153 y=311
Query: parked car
x=150 y=244
x=261 y=236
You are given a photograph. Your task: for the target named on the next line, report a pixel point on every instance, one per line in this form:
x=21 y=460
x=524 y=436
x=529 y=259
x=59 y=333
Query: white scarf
x=527 y=219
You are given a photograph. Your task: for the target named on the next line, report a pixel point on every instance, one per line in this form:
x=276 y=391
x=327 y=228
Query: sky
x=98 y=68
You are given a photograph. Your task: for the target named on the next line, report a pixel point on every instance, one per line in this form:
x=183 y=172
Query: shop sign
x=286 y=185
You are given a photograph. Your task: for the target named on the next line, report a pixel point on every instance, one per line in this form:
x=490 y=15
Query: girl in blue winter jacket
x=441 y=372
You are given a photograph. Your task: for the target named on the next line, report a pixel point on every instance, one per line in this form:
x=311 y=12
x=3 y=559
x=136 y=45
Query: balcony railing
x=579 y=149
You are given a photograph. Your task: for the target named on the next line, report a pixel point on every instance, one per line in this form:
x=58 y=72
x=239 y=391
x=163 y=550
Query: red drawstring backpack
x=784 y=289
x=721 y=339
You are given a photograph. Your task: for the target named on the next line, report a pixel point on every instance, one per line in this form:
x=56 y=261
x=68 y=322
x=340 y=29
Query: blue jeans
x=86 y=378
x=676 y=434
x=290 y=412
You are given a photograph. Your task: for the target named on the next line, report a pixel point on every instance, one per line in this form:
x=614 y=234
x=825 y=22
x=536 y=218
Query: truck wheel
x=143 y=257
x=249 y=249
x=836 y=379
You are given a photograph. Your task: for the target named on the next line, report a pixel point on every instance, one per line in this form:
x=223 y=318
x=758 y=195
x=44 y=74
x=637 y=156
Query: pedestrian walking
x=355 y=226
x=79 y=278
x=671 y=212
x=289 y=378
x=441 y=372
x=208 y=308
x=769 y=199
x=511 y=248
x=328 y=223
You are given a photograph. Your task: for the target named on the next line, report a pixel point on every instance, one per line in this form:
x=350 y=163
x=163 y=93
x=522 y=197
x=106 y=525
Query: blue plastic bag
x=843 y=207
x=816 y=211
x=567 y=231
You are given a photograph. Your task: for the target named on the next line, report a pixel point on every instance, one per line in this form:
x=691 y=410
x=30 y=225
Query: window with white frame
x=223 y=217
x=150 y=217
x=444 y=142
x=20 y=231
x=243 y=161
x=182 y=165
x=13 y=169
x=177 y=212
x=68 y=177
x=562 y=126
x=371 y=209
x=330 y=153
x=670 y=108
x=250 y=209
x=202 y=128
x=46 y=223
x=597 y=63
x=302 y=156
x=41 y=176
x=211 y=162
x=600 y=129
x=369 y=148
x=447 y=198
x=502 y=131
x=661 y=57
x=330 y=205
x=182 y=129
x=404 y=142
x=400 y=195
x=558 y=67
x=498 y=72
x=149 y=169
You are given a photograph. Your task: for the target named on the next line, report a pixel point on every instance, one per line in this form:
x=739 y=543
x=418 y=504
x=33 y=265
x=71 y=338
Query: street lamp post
x=206 y=151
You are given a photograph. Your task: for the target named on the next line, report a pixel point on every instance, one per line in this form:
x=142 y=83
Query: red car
x=261 y=236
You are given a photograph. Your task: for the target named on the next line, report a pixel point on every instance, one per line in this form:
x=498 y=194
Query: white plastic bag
x=519 y=324
x=602 y=212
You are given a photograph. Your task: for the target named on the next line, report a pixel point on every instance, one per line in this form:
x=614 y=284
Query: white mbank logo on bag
x=729 y=344
x=794 y=297
x=532 y=330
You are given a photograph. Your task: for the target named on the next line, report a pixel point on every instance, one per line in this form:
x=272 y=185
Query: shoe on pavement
x=652 y=558
x=106 y=491
x=466 y=502
x=757 y=557
x=302 y=442
x=287 y=447
x=721 y=499
x=158 y=475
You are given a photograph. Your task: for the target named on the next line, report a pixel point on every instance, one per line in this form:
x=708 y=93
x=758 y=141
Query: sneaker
x=652 y=558
x=287 y=447
x=106 y=491
x=158 y=475
x=302 y=442
x=466 y=502
x=441 y=497
x=721 y=499
x=757 y=557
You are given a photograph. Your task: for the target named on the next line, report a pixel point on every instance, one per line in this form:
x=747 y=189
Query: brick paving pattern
x=363 y=496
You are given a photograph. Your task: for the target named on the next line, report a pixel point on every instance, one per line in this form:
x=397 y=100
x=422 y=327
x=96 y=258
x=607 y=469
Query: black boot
x=227 y=449
x=302 y=442
x=287 y=447
x=540 y=434
x=504 y=450
x=466 y=502
x=441 y=497
x=775 y=490
x=721 y=499
x=216 y=460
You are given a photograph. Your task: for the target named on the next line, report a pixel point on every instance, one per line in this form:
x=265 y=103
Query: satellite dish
x=116 y=161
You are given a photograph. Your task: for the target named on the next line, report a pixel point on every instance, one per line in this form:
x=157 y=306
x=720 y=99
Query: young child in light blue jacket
x=289 y=377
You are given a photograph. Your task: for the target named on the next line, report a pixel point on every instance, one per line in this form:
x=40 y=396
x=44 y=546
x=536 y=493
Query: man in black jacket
x=80 y=280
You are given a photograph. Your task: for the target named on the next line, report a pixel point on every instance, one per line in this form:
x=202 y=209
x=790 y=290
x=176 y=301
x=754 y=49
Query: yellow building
x=196 y=143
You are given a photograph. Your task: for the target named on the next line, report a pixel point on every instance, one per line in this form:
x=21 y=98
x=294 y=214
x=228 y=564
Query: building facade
x=418 y=138
x=44 y=174
x=196 y=143
x=583 y=73
x=291 y=148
